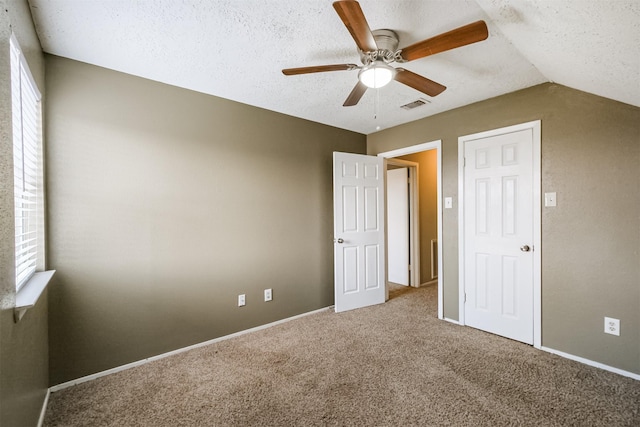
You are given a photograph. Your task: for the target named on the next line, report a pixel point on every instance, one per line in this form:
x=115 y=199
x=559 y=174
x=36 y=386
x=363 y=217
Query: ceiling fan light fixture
x=376 y=75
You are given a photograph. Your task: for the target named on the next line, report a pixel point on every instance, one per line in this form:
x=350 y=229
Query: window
x=27 y=167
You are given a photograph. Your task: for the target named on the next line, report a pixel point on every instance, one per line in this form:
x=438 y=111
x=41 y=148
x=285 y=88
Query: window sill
x=28 y=294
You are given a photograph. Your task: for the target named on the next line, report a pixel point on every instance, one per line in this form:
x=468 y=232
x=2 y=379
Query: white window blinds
x=27 y=166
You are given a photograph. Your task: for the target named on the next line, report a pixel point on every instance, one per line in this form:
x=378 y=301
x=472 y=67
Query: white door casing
x=398 y=225
x=499 y=232
x=359 y=251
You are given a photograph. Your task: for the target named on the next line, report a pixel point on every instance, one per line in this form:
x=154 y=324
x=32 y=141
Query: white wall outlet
x=612 y=326
x=550 y=199
x=268 y=296
x=241 y=300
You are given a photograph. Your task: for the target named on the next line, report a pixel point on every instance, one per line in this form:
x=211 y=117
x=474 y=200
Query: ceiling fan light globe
x=376 y=75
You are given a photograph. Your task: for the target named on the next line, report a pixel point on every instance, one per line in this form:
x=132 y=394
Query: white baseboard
x=268 y=325
x=171 y=353
x=43 y=411
x=591 y=363
x=576 y=358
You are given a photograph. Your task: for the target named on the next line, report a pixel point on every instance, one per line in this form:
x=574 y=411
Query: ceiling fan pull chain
x=375 y=104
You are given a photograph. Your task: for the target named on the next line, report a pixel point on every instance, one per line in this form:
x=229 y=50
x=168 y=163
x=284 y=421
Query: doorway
x=390 y=157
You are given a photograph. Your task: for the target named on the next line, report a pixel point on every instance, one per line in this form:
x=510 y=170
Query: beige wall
x=23 y=345
x=165 y=204
x=591 y=240
x=140 y=171
x=428 y=200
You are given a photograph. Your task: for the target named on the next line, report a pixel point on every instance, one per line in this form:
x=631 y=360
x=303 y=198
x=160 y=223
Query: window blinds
x=27 y=128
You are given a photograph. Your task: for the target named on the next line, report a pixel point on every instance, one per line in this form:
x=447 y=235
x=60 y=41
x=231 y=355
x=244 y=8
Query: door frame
x=433 y=145
x=535 y=127
x=414 y=219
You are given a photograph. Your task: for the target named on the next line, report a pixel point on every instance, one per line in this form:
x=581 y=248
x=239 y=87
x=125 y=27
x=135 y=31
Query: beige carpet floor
x=390 y=365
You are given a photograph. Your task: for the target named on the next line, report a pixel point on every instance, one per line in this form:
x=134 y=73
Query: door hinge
x=465 y=297
x=409 y=267
x=464 y=162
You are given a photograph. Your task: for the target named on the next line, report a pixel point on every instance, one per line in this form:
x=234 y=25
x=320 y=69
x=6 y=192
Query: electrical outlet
x=241 y=300
x=612 y=326
x=268 y=296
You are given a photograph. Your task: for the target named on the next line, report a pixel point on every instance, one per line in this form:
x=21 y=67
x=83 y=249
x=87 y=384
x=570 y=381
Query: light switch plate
x=448 y=202
x=550 y=199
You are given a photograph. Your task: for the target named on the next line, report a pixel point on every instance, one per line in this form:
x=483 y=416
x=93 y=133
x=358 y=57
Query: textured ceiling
x=236 y=49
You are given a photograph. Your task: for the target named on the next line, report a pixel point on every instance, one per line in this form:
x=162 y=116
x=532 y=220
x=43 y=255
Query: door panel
x=372 y=259
x=372 y=201
x=498 y=221
x=358 y=231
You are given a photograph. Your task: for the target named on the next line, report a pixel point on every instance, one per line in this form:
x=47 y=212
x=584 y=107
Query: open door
x=358 y=218
x=398 y=241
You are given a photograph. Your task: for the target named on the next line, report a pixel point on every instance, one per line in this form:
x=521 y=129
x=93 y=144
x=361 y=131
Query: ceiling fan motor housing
x=379 y=48
x=387 y=42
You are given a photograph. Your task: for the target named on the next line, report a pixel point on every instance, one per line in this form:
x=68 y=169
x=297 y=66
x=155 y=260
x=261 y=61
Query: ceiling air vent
x=415 y=104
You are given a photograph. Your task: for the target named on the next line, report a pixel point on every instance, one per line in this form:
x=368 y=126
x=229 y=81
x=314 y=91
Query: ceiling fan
x=379 y=48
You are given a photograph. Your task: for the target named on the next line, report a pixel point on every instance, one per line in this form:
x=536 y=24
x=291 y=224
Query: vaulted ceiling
x=236 y=49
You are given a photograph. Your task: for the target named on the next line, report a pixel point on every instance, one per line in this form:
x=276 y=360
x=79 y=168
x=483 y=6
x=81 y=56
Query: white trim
x=434 y=242
x=455 y=322
x=591 y=363
x=411 y=150
x=434 y=145
x=97 y=375
x=440 y=251
x=43 y=411
x=461 y=291
x=28 y=295
x=537 y=233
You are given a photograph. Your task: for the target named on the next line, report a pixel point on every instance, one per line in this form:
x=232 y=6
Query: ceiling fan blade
x=462 y=36
x=353 y=18
x=318 y=69
x=355 y=95
x=418 y=82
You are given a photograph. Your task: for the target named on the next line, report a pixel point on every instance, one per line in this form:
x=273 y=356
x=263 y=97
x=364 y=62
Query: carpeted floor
x=390 y=365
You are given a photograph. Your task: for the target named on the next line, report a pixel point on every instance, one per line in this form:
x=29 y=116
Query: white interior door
x=359 y=259
x=499 y=234
x=398 y=225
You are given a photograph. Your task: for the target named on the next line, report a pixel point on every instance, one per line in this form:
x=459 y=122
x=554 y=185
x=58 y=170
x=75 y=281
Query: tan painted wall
x=165 y=204
x=23 y=346
x=428 y=199
x=591 y=240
